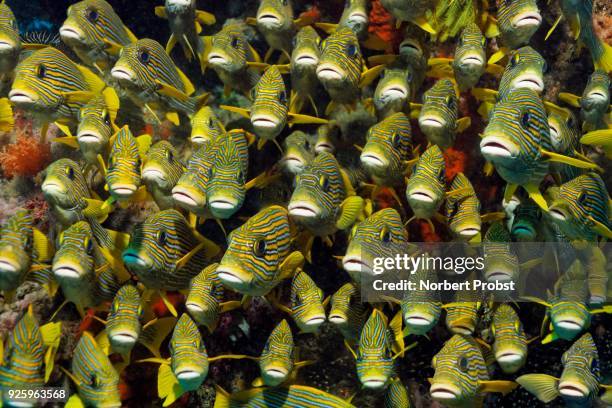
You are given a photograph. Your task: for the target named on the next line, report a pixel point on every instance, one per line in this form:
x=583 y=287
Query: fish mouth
x=557 y=214
x=374 y=383
x=277 y=372
x=194 y=307
x=372 y=160
x=499 y=275
x=469 y=231
x=324 y=147
x=222 y=204
x=357 y=17
x=199 y=139
x=264 y=121
x=529 y=82
x=52 y=188
x=306 y=59
x=337 y=318
x=472 y=60
x=88 y=138
x=422 y=195
x=355 y=264
x=229 y=276
x=303 y=209
x=294 y=163
x=153 y=174
x=394 y=92
x=493 y=146
x=70 y=33
x=522 y=230
x=66 y=271
x=188 y=374
x=573 y=390
x=21 y=97
x=130 y=258
x=570 y=324
x=6 y=46
x=329 y=72
x=124 y=338
x=554 y=132
x=598 y=95
x=461 y=329
x=315 y=321
x=417 y=320
x=121 y=74
x=508 y=357
x=431 y=121
x=269 y=19
x=184 y=197
x=8 y=266
x=215 y=58
x=408 y=45
x=443 y=392
x=123 y=190
x=527 y=19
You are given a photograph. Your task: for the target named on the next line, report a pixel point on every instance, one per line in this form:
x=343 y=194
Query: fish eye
x=351 y=50
x=306 y=145
x=92 y=15
x=514 y=60
x=253 y=93
x=493 y=330
x=582 y=198
x=235 y=42
x=294 y=42
x=41 y=71
x=162 y=238
x=570 y=121
x=525 y=119
x=450 y=101
x=211 y=123
x=385 y=234
x=434 y=360
x=483 y=42
x=144 y=57
x=140 y=311
x=324 y=182
x=170 y=155
x=88 y=245
x=240 y=176
x=115 y=307
x=396 y=139
x=463 y=363
x=441 y=174
x=283 y=97
x=106 y=117
x=461 y=40
x=259 y=248
x=518 y=326
x=409 y=75
x=353 y=232
x=453 y=209
x=70 y=172
x=545 y=67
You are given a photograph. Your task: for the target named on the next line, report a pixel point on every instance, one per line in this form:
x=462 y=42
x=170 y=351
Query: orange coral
x=455 y=162
x=311 y=15
x=427 y=233
x=25 y=157
x=382 y=25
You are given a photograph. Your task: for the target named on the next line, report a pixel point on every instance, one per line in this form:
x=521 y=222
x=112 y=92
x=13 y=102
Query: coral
x=25 y=157
x=455 y=162
x=382 y=24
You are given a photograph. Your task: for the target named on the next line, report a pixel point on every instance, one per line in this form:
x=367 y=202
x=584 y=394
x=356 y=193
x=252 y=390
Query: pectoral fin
x=368 y=76
x=544 y=387
x=559 y=158
x=497 y=386
x=600 y=228
x=570 y=99
x=350 y=210
x=42 y=245
x=463 y=123
x=160 y=11
x=155 y=332
x=290 y=264
x=326 y=27
x=77 y=97
x=205 y=18
x=168 y=387
x=299 y=119
x=235 y=109
x=171 y=92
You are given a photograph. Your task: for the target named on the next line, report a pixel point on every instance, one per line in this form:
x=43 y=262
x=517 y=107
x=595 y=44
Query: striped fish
x=323 y=200
x=426 y=187
x=9 y=38
x=52 y=87
x=579 y=382
x=123 y=326
x=184 y=20
x=581 y=208
x=382 y=234
x=165 y=252
x=276 y=24
x=226 y=188
x=205 y=126
x=96 y=379
x=396 y=87
x=299 y=151
x=303 y=67
x=461 y=316
x=517 y=21
x=95 y=33
x=162 y=168
x=190 y=190
x=439 y=115
x=461 y=375
x=421 y=309
x=258 y=256
x=525 y=69
x=146 y=72
x=124 y=163
x=412 y=10
x=188 y=356
x=375 y=353
x=396 y=395
x=292 y=396
x=278 y=356
x=307 y=303
x=388 y=150
x=23 y=250
x=500 y=262
x=347 y=312
x=526 y=222
x=234 y=59
x=463 y=210
x=565 y=137
x=510 y=345
x=205 y=299
x=97 y=125
x=594 y=102
x=469 y=62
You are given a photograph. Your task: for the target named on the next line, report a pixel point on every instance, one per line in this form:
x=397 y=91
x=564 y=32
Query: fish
x=524 y=227
x=413 y=11
x=517 y=142
x=205 y=126
x=347 y=312
x=426 y=188
x=269 y=113
x=438 y=118
x=95 y=33
x=382 y=234
x=299 y=149
x=148 y=75
x=190 y=190
x=24 y=251
x=258 y=256
x=303 y=67
x=185 y=22
x=81 y=268
x=388 y=153
x=469 y=63
x=463 y=210
x=123 y=176
x=462 y=316
x=594 y=102
x=235 y=61
x=500 y=261
x=52 y=88
x=162 y=168
x=421 y=309
x=565 y=138
x=396 y=87
x=380 y=343
x=307 y=303
x=324 y=200
x=292 y=396
x=96 y=379
x=579 y=383
x=342 y=70
x=28 y=356
x=355 y=15
x=165 y=252
x=579 y=15
x=10 y=41
x=396 y=395
x=517 y=22
x=67 y=193
x=510 y=342
x=204 y=302
x=461 y=375
x=581 y=208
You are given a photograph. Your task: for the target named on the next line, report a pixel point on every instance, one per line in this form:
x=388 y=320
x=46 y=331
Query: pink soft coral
x=25 y=157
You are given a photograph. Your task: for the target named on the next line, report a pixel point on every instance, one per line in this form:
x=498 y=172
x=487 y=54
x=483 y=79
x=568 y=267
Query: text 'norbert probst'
x=445 y=285
x=405 y=262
